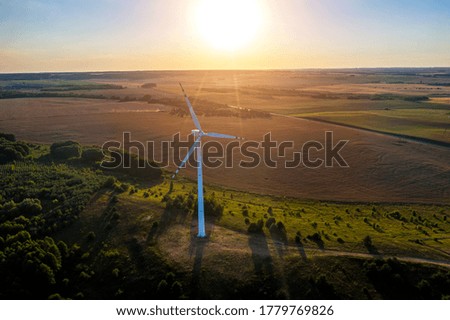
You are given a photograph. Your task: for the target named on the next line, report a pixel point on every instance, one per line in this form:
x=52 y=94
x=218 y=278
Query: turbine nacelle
x=196 y=133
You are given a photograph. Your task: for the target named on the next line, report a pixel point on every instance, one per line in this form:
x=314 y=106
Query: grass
x=396 y=229
x=424 y=123
x=232 y=262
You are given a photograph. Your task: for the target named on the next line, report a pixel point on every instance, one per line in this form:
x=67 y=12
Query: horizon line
x=250 y=69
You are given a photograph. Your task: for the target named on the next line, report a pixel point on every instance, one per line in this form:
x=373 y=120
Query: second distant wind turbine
x=198 y=134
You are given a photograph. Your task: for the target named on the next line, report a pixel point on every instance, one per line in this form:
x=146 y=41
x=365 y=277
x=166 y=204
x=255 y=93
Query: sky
x=88 y=35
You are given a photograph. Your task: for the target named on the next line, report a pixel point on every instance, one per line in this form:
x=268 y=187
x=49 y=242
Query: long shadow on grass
x=280 y=242
x=169 y=217
x=262 y=259
x=301 y=250
x=199 y=245
x=196 y=248
x=265 y=284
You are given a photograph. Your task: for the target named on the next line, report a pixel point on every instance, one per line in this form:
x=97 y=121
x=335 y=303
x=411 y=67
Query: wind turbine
x=198 y=134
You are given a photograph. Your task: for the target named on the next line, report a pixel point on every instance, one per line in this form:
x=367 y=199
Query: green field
x=396 y=229
x=433 y=124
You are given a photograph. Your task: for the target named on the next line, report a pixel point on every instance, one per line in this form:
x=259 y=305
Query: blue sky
x=67 y=35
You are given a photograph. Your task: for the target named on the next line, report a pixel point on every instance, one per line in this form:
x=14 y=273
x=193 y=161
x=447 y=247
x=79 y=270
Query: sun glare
x=229 y=24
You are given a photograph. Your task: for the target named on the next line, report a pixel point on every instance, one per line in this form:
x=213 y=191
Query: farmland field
x=386 y=209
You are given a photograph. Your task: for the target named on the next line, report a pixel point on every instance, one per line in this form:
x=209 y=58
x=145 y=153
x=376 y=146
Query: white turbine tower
x=198 y=134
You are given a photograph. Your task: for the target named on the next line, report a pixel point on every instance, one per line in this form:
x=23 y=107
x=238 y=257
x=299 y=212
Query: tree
x=317 y=238
x=92 y=155
x=177 y=289
x=29 y=264
x=55 y=296
x=148 y=85
x=163 y=289
x=65 y=150
x=269 y=222
x=256 y=227
x=12 y=150
x=8 y=136
x=30 y=207
x=213 y=207
x=367 y=241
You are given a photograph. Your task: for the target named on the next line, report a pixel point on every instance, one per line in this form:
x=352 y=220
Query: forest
x=46 y=252
x=42 y=191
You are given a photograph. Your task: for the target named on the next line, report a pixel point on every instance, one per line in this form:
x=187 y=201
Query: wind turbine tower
x=198 y=134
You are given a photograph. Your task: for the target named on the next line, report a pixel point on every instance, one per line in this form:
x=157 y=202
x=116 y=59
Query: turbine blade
x=221 y=135
x=191 y=110
x=191 y=150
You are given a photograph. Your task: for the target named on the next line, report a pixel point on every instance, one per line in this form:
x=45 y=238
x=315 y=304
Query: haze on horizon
x=69 y=35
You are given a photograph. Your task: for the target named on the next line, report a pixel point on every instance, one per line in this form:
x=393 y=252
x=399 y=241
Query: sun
x=229 y=24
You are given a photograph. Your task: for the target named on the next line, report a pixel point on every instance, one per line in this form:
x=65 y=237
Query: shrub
x=91 y=236
x=367 y=241
x=11 y=151
x=176 y=204
x=55 y=296
x=115 y=272
x=256 y=227
x=63 y=249
x=398 y=216
x=177 y=289
x=316 y=237
x=416 y=98
x=30 y=207
x=92 y=155
x=8 y=136
x=322 y=288
x=213 y=207
x=269 y=222
x=123 y=187
x=79 y=295
x=170 y=277
x=110 y=182
x=281 y=227
x=148 y=85
x=65 y=150
x=273 y=229
x=114 y=199
x=163 y=289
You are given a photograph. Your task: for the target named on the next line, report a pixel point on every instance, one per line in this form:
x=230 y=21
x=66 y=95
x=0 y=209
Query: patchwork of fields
x=135 y=238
